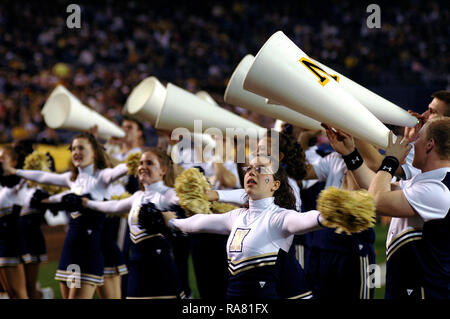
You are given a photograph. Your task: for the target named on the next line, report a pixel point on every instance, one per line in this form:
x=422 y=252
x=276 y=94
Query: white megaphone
x=208 y=98
x=146 y=99
x=281 y=72
x=64 y=111
x=386 y=111
x=58 y=89
x=236 y=95
x=181 y=109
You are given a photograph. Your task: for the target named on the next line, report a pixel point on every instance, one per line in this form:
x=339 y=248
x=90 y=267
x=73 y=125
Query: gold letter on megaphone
x=236 y=95
x=278 y=74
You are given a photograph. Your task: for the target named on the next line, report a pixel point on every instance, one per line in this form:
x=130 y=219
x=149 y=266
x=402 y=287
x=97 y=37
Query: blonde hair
x=439 y=130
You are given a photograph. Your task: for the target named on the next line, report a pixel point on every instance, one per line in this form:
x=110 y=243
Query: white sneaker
x=47 y=293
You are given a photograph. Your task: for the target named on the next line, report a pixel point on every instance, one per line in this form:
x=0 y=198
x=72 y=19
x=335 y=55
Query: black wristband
x=318 y=221
x=389 y=164
x=353 y=160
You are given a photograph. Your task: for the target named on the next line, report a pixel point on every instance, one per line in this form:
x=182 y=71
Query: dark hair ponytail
x=293 y=160
x=284 y=195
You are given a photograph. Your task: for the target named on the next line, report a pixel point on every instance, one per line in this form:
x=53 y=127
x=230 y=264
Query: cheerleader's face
x=150 y=170
x=6 y=159
x=259 y=180
x=82 y=153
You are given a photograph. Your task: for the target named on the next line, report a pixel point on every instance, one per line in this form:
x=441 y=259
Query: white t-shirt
x=428 y=196
x=330 y=169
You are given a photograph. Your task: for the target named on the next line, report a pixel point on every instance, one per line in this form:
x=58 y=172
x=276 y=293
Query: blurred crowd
x=197 y=45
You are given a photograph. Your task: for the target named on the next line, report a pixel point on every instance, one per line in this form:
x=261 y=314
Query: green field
x=47 y=271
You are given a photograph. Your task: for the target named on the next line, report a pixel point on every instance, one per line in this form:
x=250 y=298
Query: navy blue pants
x=340 y=275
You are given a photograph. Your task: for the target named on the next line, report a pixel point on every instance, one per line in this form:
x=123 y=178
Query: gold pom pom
x=41 y=162
x=133 y=163
x=37 y=161
x=221 y=208
x=190 y=187
x=121 y=196
x=52 y=189
x=347 y=211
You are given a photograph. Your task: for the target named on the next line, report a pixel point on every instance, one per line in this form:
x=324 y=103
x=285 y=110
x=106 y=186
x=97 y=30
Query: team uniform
x=338 y=262
x=403 y=272
x=12 y=246
x=293 y=283
x=115 y=231
x=82 y=246
x=152 y=270
x=30 y=226
x=428 y=193
x=257 y=238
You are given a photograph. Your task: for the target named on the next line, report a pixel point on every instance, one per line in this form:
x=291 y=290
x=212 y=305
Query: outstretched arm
x=388 y=202
x=299 y=223
x=203 y=223
x=236 y=196
x=109 y=175
x=44 y=177
x=112 y=206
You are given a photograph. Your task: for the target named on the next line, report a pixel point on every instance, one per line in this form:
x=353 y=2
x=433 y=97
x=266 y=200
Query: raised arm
x=109 y=175
x=44 y=177
x=388 y=202
x=204 y=223
x=236 y=196
x=112 y=206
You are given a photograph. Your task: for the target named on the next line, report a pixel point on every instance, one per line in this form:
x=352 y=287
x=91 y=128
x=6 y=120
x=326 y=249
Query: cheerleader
x=152 y=270
x=115 y=233
x=81 y=264
x=292 y=159
x=13 y=253
x=258 y=235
